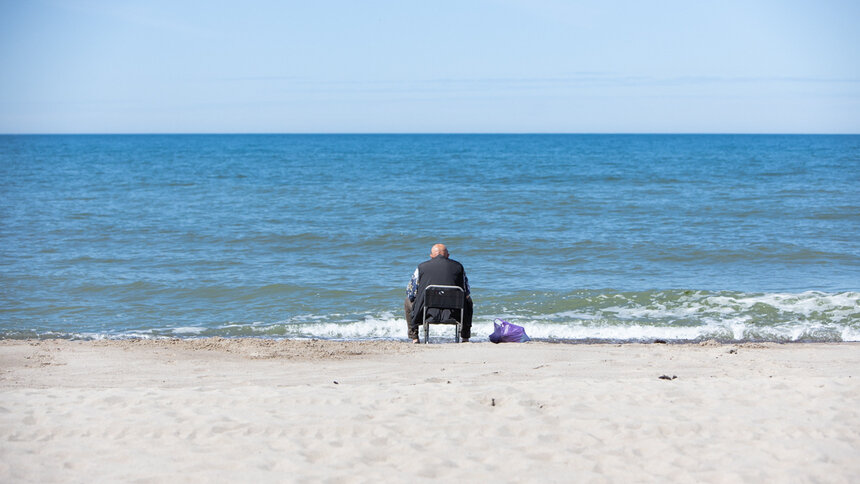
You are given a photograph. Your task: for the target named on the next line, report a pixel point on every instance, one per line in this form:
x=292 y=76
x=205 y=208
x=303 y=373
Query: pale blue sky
x=153 y=66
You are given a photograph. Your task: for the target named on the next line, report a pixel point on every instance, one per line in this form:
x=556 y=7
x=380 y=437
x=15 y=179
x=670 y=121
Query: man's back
x=441 y=271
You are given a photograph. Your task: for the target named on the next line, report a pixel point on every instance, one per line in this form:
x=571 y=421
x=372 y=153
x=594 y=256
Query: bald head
x=439 y=250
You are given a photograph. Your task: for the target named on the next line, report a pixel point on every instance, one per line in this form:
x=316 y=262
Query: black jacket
x=440 y=271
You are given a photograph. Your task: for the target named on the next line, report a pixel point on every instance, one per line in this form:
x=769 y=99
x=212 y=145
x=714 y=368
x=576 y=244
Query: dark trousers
x=465 y=329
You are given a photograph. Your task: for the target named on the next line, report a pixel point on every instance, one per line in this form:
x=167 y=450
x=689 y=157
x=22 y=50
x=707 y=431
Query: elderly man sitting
x=442 y=271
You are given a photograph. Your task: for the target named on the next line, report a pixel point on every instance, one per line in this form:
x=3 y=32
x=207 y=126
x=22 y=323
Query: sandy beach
x=221 y=410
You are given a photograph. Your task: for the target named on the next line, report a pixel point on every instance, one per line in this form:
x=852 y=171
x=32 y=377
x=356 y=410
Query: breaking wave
x=587 y=316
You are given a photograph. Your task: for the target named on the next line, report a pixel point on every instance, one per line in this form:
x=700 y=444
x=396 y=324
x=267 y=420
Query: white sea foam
x=807 y=316
x=188 y=330
x=572 y=330
x=734 y=329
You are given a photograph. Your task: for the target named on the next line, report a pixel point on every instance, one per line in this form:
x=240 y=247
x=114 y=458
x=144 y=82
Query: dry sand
x=218 y=410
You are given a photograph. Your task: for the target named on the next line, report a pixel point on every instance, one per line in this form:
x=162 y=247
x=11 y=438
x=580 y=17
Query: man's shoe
x=415 y=341
x=464 y=340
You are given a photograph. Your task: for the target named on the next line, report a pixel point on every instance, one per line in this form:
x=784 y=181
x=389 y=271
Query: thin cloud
x=579 y=80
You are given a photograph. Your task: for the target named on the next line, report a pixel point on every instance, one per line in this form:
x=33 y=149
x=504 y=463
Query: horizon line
x=431 y=133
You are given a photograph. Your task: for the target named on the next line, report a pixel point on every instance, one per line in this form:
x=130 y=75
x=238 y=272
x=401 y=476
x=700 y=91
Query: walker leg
x=460 y=323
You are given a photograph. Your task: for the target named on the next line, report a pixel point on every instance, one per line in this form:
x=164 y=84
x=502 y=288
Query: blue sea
x=578 y=238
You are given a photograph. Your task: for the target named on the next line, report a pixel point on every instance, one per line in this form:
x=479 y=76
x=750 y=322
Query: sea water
x=574 y=237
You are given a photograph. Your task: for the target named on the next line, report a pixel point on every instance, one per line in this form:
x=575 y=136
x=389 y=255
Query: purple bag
x=508 y=333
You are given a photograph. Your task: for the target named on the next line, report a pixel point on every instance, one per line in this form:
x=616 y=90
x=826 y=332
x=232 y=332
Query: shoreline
x=223 y=409
x=435 y=340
